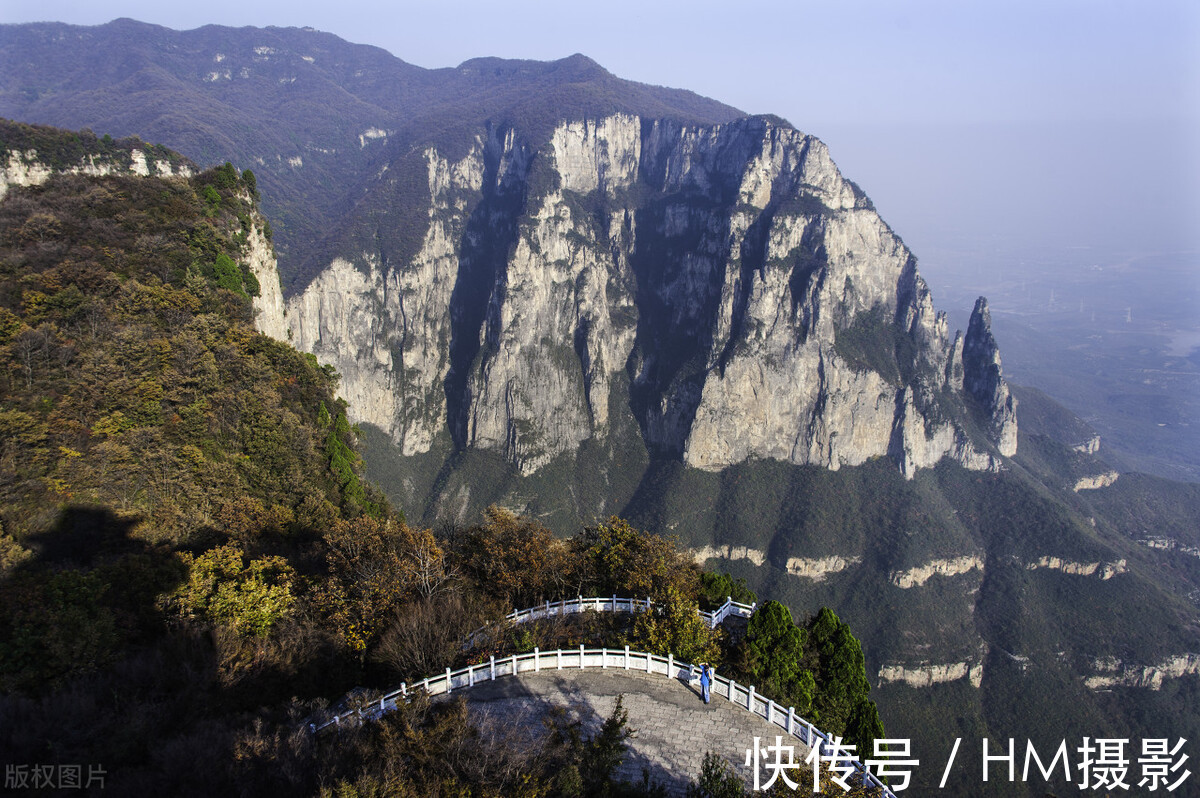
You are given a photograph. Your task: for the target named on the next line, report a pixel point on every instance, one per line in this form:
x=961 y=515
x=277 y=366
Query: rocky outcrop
x=1114 y=673
x=1102 y=570
x=1096 y=482
x=269 y=307
x=27 y=168
x=1090 y=446
x=818 y=568
x=815 y=568
x=389 y=331
x=23 y=169
x=1170 y=544
x=724 y=287
x=919 y=575
x=929 y=675
x=983 y=380
x=728 y=552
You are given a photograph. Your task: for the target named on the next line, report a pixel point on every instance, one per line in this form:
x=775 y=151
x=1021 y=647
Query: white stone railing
x=582 y=658
x=564 y=607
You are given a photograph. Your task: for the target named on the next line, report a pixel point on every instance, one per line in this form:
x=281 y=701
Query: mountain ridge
x=199 y=103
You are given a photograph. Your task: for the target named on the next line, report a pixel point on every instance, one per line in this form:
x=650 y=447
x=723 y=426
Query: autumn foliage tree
x=373 y=566
x=224 y=586
x=673 y=625
x=620 y=559
x=516 y=559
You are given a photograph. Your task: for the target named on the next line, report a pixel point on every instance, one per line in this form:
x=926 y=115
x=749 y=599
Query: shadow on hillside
x=84 y=535
x=94 y=668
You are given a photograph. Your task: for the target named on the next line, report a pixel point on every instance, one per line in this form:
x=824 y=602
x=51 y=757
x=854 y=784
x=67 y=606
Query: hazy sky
x=1057 y=123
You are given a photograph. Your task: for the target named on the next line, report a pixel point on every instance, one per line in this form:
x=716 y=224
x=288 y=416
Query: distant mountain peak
x=575 y=68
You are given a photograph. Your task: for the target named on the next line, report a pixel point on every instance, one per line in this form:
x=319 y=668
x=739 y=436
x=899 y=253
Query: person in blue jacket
x=705 y=680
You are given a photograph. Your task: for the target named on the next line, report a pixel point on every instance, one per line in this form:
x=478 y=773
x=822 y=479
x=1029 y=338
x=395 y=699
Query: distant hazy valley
x=1115 y=337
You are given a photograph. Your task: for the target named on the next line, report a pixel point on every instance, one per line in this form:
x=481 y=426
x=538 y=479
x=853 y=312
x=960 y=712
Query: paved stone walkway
x=674 y=727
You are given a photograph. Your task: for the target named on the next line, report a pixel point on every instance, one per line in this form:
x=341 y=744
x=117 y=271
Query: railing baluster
x=492 y=666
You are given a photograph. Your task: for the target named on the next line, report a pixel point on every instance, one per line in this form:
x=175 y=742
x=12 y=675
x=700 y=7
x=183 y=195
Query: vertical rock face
x=983 y=380
x=268 y=305
x=725 y=287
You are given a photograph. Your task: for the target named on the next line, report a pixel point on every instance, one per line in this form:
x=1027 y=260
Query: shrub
x=224 y=587
x=517 y=560
x=717 y=780
x=229 y=276
x=716 y=588
x=673 y=626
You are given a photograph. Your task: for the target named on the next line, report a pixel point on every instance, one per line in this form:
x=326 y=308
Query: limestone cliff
x=1112 y=672
x=983 y=380
x=260 y=258
x=26 y=167
x=722 y=286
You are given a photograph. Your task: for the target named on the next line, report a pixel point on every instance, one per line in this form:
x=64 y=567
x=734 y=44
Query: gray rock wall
x=727 y=284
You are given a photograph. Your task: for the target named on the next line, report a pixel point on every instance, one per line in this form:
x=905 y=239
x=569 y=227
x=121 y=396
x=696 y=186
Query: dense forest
x=192 y=564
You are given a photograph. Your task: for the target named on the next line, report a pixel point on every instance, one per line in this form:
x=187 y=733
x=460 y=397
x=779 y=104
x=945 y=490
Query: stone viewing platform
x=674 y=728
